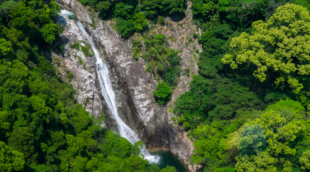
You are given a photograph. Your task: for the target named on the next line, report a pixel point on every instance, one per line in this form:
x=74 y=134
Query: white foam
x=69 y=14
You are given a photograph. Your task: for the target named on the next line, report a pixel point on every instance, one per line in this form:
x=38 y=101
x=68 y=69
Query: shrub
x=76 y=46
x=140 y=22
x=173 y=71
x=135 y=55
x=163 y=93
x=187 y=72
x=125 y=28
x=69 y=75
x=161 y=20
x=195 y=35
x=85 y=51
x=62 y=49
x=80 y=60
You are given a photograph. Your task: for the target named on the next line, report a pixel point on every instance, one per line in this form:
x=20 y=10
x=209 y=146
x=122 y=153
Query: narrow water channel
x=167 y=158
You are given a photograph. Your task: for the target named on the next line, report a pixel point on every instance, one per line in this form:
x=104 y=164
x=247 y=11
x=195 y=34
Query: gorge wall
x=132 y=85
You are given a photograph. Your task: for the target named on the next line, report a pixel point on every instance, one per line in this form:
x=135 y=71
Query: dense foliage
x=163 y=93
x=247 y=108
x=280 y=132
x=131 y=15
x=278 y=48
x=42 y=128
x=161 y=61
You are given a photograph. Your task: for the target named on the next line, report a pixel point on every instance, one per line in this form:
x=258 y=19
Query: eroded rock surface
x=81 y=66
x=132 y=85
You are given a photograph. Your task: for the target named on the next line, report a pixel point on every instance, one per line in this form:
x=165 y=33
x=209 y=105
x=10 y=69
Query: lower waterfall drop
x=109 y=96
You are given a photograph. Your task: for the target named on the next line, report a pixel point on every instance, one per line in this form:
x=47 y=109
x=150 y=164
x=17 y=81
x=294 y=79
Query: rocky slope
x=133 y=86
x=70 y=60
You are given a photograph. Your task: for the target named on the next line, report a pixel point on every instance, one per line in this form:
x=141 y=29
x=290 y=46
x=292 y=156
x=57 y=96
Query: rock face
x=81 y=66
x=132 y=85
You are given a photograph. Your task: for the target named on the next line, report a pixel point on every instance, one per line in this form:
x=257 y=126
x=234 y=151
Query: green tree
x=265 y=141
x=262 y=162
x=168 y=169
x=206 y=144
x=174 y=7
x=140 y=22
x=304 y=160
x=161 y=20
x=11 y=160
x=22 y=140
x=277 y=47
x=203 y=9
x=125 y=27
x=163 y=93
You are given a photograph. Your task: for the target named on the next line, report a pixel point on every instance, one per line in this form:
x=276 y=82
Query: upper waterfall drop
x=69 y=14
x=109 y=96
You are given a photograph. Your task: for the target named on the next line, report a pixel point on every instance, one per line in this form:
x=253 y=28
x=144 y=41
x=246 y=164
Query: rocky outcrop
x=132 y=85
x=70 y=61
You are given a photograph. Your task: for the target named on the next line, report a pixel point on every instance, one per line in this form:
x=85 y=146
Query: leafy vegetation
x=161 y=20
x=75 y=46
x=69 y=75
x=282 y=50
x=247 y=108
x=163 y=93
x=131 y=16
x=161 y=61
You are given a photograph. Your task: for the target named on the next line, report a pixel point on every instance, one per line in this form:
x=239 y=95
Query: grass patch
x=75 y=46
x=87 y=50
x=80 y=60
x=187 y=72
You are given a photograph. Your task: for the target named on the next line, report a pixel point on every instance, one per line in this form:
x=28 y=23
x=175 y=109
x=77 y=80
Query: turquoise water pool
x=167 y=158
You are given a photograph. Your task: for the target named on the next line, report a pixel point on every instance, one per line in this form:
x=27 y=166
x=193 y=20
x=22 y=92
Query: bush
x=187 y=72
x=125 y=28
x=80 y=60
x=76 y=46
x=140 y=22
x=62 y=49
x=163 y=93
x=161 y=20
x=195 y=35
x=69 y=75
x=173 y=71
x=87 y=50
x=135 y=55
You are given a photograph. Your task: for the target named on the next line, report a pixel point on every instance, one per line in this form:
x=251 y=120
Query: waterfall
x=69 y=14
x=109 y=96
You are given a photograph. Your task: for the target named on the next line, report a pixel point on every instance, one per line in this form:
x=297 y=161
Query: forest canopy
x=248 y=108
x=278 y=47
x=131 y=16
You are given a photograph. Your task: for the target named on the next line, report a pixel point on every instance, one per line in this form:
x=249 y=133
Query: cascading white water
x=69 y=14
x=109 y=96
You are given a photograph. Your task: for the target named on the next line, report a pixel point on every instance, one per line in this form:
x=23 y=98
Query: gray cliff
x=132 y=85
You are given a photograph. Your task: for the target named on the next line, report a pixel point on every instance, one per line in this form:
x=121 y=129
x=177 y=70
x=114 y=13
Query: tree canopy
x=247 y=109
x=278 y=46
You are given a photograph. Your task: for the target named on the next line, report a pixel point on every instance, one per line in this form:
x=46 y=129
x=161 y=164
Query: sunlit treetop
x=280 y=46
